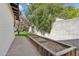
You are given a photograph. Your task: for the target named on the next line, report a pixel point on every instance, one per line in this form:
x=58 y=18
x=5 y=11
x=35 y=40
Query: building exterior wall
x=6 y=28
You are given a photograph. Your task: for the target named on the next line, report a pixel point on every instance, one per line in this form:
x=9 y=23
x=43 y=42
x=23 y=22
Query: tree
x=69 y=13
x=42 y=16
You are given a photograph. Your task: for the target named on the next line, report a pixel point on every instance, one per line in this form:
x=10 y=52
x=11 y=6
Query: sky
x=76 y=5
x=23 y=6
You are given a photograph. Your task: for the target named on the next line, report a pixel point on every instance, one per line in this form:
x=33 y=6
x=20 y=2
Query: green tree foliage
x=42 y=16
x=69 y=13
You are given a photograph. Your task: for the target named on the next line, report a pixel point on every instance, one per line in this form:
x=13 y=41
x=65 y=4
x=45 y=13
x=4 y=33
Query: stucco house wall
x=6 y=28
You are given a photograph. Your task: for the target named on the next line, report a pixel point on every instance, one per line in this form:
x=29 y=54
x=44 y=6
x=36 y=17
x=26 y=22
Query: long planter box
x=49 y=47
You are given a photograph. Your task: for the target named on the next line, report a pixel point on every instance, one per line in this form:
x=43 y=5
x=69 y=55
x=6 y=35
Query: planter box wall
x=48 y=47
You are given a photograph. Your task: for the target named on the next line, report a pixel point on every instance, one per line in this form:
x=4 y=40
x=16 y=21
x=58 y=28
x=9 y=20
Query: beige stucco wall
x=6 y=28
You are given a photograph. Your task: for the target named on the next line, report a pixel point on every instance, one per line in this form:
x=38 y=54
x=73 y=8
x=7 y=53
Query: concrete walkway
x=22 y=47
